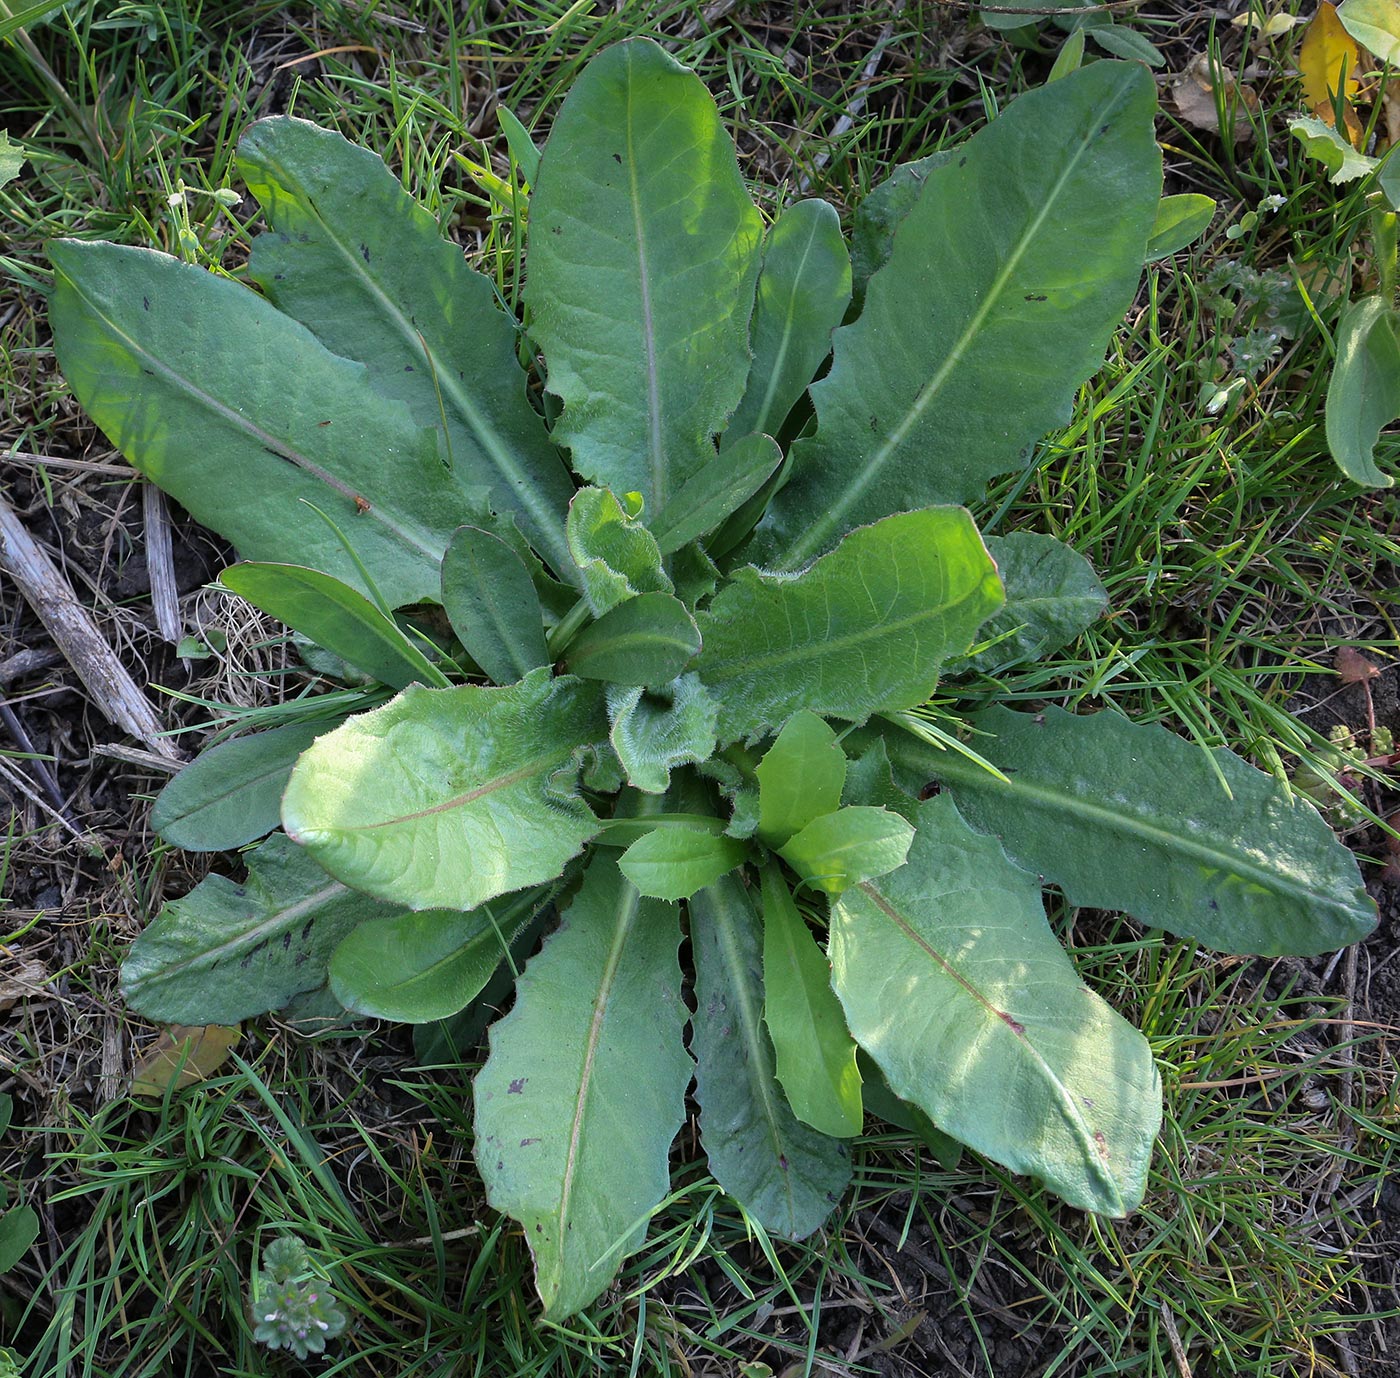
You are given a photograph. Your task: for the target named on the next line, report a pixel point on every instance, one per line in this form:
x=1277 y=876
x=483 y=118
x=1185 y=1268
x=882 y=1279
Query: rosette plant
x=644 y=654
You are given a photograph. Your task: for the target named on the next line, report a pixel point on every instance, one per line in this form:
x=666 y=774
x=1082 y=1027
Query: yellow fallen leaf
x=1326 y=51
x=181 y=1056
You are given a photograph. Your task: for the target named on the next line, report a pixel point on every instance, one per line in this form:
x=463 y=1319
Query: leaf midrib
x=749 y=1018
x=1088 y=1144
x=520 y=484
x=1054 y=801
x=409 y=533
x=870 y=467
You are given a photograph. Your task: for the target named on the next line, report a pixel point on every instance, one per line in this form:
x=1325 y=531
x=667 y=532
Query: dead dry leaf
x=1206 y=88
x=181 y=1056
x=1353 y=668
x=20 y=979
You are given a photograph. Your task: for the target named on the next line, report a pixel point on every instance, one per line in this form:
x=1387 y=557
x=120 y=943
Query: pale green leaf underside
x=584 y=1089
x=1132 y=817
x=815 y=1053
x=227 y=952
x=786 y=1174
x=1363 y=395
x=1052 y=595
x=232 y=793
x=643 y=254
x=356 y=259
x=1319 y=140
x=446 y=798
x=201 y=383
x=953 y=982
x=865 y=629
x=1004 y=269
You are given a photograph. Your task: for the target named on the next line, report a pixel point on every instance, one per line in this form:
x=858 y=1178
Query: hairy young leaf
x=354 y=257
x=715 y=492
x=420 y=967
x=648 y=639
x=673 y=863
x=1363 y=395
x=653 y=736
x=841 y=849
x=1052 y=594
x=232 y=793
x=1003 y=285
x=446 y=798
x=1127 y=816
x=228 y=952
x=865 y=629
x=337 y=618
x=799 y=778
x=816 y=1055
x=584 y=1089
x=616 y=556
x=644 y=247
x=785 y=1174
x=197 y=379
x=804 y=288
x=954 y=984
x=491 y=602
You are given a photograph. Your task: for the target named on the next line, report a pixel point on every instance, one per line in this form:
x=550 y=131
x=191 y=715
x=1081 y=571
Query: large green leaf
x=882 y=212
x=354 y=257
x=644 y=247
x=203 y=384
x=1127 y=816
x=816 y=1055
x=865 y=629
x=232 y=793
x=446 y=798
x=953 y=982
x=584 y=1089
x=491 y=602
x=420 y=967
x=803 y=291
x=1052 y=594
x=228 y=952
x=337 y=618
x=1363 y=395
x=787 y=1175
x=653 y=732
x=1003 y=285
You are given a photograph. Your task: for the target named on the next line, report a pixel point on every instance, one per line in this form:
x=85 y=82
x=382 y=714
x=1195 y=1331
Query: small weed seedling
x=292 y=1306
x=685 y=695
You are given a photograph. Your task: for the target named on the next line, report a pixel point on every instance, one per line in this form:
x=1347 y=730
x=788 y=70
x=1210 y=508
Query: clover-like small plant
x=293 y=1307
x=681 y=691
